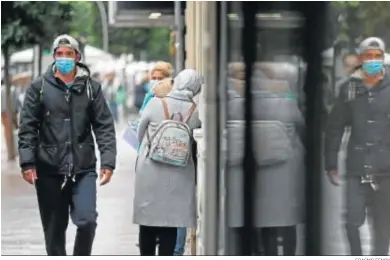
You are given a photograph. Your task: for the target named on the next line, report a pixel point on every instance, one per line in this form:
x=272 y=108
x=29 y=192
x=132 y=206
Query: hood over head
x=188 y=82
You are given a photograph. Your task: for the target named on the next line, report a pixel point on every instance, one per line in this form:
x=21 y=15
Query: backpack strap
x=166 y=112
x=165 y=106
x=90 y=90
x=190 y=112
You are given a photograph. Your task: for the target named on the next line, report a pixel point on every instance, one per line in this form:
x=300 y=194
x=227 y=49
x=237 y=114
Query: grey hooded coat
x=165 y=195
x=277 y=128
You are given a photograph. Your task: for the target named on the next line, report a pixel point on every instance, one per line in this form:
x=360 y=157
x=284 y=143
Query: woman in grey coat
x=278 y=127
x=164 y=197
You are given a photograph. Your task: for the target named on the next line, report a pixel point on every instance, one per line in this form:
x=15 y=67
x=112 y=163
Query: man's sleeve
x=104 y=129
x=28 y=127
x=338 y=119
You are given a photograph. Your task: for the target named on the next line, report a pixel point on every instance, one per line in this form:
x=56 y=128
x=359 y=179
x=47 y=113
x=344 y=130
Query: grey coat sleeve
x=29 y=125
x=198 y=123
x=104 y=129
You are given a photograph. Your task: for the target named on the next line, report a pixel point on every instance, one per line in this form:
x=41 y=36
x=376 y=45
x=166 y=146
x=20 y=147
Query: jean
x=55 y=202
x=114 y=110
x=362 y=200
x=180 y=241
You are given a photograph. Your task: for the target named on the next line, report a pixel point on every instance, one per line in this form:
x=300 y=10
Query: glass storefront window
x=279 y=110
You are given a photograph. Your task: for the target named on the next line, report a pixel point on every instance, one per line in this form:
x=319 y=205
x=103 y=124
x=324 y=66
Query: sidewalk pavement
x=21 y=226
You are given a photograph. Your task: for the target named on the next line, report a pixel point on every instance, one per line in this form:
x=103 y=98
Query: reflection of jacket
x=368 y=114
x=55 y=132
x=277 y=129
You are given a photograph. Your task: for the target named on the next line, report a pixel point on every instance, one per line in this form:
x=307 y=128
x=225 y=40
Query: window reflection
x=279 y=133
x=278 y=130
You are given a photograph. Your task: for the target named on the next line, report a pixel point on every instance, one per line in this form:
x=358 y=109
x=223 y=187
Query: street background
x=120 y=42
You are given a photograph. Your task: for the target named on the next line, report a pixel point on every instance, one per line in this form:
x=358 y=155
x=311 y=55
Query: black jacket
x=55 y=134
x=140 y=92
x=368 y=115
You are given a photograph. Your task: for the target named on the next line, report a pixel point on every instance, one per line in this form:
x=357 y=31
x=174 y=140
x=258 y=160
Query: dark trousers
x=55 y=203
x=148 y=237
x=288 y=240
x=359 y=198
x=268 y=240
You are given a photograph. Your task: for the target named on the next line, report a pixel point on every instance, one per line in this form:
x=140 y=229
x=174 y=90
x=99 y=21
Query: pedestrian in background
x=160 y=71
x=351 y=63
x=15 y=106
x=110 y=93
x=56 y=147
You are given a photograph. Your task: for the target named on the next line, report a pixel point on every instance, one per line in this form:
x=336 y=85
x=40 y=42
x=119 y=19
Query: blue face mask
x=65 y=65
x=150 y=85
x=373 y=67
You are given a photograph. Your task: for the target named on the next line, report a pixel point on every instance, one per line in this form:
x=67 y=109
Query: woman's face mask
x=151 y=84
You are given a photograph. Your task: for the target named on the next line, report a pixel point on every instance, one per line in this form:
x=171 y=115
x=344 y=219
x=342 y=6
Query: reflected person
x=351 y=63
x=277 y=137
x=363 y=106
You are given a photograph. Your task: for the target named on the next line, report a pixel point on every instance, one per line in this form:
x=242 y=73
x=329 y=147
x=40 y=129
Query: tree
x=25 y=24
x=55 y=24
x=359 y=20
x=155 y=41
x=17 y=30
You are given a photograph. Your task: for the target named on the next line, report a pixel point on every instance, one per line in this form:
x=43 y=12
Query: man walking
x=56 y=147
x=363 y=108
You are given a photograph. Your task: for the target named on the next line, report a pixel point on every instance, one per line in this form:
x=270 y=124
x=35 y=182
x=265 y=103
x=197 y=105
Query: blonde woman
x=160 y=90
x=160 y=71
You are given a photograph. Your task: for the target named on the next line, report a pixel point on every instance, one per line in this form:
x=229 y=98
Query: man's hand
x=105 y=176
x=30 y=175
x=334 y=177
